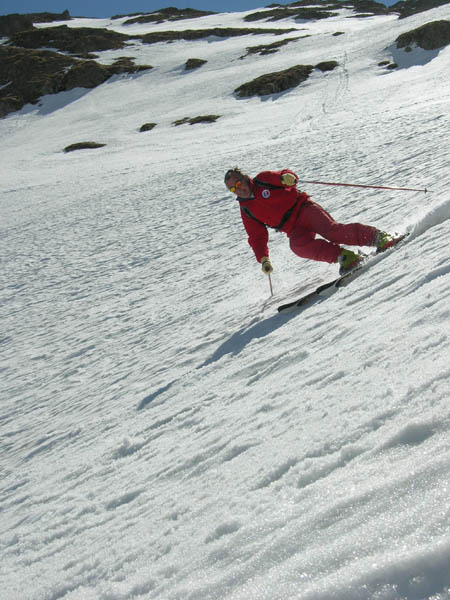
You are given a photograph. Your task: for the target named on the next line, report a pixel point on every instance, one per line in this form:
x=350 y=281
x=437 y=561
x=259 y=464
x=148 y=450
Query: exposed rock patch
x=147 y=127
x=194 y=63
x=274 y=83
x=298 y=14
x=369 y=7
x=307 y=9
x=198 y=34
x=126 y=64
x=81 y=41
x=412 y=7
x=76 y=40
x=168 y=14
x=195 y=120
x=327 y=65
x=47 y=17
x=263 y=50
x=83 y=146
x=431 y=36
x=280 y=81
x=26 y=75
x=11 y=24
x=390 y=66
x=86 y=74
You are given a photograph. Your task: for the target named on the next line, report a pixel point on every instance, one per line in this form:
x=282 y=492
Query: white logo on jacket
x=265 y=193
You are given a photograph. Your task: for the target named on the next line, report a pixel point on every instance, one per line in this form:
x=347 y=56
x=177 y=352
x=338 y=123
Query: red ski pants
x=313 y=219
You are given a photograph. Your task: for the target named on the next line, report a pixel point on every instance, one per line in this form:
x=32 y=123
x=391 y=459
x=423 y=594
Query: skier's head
x=238 y=183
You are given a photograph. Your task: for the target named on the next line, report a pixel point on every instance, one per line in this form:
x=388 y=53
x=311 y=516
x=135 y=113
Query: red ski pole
x=360 y=185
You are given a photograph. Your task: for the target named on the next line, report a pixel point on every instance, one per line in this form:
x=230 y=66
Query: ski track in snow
x=165 y=434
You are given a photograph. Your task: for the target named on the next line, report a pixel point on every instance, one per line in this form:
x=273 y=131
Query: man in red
x=271 y=199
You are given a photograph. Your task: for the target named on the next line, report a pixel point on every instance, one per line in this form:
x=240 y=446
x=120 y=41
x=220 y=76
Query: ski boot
x=348 y=261
x=384 y=240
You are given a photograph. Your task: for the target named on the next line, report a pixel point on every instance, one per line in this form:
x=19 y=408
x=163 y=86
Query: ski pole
x=270 y=284
x=360 y=185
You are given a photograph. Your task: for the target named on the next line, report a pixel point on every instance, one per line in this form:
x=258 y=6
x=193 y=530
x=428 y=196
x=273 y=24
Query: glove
x=288 y=179
x=266 y=265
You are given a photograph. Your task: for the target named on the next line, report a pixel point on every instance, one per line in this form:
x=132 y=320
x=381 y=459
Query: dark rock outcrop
x=83 y=146
x=298 y=14
x=327 y=65
x=195 y=120
x=369 y=7
x=412 y=7
x=309 y=10
x=83 y=40
x=147 y=127
x=76 y=40
x=194 y=63
x=86 y=74
x=274 y=83
x=280 y=81
x=431 y=36
x=46 y=17
x=198 y=34
x=11 y=24
x=263 y=50
x=168 y=14
x=125 y=64
x=26 y=75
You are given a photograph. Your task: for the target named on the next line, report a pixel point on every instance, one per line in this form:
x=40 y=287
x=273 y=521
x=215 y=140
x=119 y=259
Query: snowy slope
x=165 y=434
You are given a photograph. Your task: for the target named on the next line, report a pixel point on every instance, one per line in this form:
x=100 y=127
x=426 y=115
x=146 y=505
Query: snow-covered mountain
x=165 y=433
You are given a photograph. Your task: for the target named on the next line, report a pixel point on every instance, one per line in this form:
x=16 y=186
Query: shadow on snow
x=239 y=340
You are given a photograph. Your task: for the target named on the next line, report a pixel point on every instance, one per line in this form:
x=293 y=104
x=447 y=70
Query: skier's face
x=239 y=185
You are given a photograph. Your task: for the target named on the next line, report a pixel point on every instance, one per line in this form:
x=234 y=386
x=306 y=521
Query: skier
x=271 y=199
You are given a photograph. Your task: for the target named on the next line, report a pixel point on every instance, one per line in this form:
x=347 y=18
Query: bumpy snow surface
x=165 y=433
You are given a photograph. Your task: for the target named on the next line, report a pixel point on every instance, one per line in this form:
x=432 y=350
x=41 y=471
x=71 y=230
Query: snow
x=165 y=433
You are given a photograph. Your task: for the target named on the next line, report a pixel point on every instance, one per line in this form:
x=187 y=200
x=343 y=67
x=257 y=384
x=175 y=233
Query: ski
x=327 y=289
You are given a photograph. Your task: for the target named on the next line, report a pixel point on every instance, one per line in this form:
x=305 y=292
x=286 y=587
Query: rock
x=299 y=14
x=31 y=73
x=327 y=65
x=125 y=64
x=274 y=83
x=431 y=36
x=76 y=40
x=263 y=50
x=412 y=7
x=86 y=74
x=46 y=17
x=9 y=104
x=147 y=126
x=26 y=75
x=83 y=146
x=195 y=120
x=198 y=34
x=11 y=24
x=194 y=63
x=168 y=14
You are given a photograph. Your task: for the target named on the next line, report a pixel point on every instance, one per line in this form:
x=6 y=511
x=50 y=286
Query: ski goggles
x=234 y=187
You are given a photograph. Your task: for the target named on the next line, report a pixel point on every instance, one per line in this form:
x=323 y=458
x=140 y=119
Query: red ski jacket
x=273 y=205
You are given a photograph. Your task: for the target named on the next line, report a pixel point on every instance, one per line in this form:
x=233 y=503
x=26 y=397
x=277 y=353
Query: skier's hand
x=288 y=179
x=266 y=265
